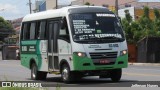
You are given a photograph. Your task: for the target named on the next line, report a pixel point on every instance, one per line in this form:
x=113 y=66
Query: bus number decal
x=113 y=45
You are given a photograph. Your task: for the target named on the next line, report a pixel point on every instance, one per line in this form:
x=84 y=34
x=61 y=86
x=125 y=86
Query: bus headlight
x=123 y=52
x=80 y=54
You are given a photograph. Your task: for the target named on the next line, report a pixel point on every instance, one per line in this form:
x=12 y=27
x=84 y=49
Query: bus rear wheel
x=37 y=75
x=116 y=75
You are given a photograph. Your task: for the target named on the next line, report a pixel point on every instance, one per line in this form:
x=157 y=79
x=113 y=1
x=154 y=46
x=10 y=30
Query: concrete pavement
x=11 y=70
x=145 y=64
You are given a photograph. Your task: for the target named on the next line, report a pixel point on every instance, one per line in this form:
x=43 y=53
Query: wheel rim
x=34 y=71
x=65 y=73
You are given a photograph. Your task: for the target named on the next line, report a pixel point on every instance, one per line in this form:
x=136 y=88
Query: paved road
x=11 y=70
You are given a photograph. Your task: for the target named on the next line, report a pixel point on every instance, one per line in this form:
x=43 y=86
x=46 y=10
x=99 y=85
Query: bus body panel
x=65 y=52
x=86 y=63
x=37 y=50
x=34 y=50
x=43 y=55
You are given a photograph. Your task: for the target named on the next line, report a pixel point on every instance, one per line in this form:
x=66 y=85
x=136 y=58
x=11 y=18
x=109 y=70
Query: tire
x=66 y=74
x=116 y=75
x=37 y=75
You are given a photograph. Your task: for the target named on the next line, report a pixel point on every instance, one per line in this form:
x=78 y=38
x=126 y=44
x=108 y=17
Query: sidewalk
x=145 y=64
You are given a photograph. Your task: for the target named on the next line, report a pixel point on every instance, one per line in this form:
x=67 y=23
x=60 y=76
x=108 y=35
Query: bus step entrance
x=56 y=62
x=53 y=62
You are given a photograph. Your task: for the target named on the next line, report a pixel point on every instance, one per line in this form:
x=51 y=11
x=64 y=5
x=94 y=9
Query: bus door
x=53 y=30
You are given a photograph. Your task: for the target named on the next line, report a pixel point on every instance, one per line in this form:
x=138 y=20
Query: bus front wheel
x=37 y=75
x=66 y=74
x=116 y=75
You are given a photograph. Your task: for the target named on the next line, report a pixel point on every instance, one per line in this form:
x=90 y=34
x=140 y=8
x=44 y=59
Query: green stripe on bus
x=26 y=59
x=27 y=56
x=29 y=42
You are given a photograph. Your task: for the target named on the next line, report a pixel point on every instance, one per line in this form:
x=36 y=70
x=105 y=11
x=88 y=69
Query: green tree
x=129 y=27
x=5 y=24
x=157 y=22
x=144 y=27
x=6 y=28
x=156 y=14
x=137 y=32
x=146 y=24
x=87 y=3
x=128 y=16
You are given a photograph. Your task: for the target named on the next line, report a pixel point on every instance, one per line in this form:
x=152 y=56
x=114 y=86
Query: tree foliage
x=144 y=27
x=87 y=3
x=5 y=29
x=5 y=24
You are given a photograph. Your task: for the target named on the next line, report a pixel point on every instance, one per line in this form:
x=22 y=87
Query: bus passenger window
x=42 y=34
x=32 y=30
x=37 y=36
x=24 y=30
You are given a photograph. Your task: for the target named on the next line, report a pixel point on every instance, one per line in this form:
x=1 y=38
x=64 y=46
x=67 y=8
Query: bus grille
x=98 y=56
x=103 y=55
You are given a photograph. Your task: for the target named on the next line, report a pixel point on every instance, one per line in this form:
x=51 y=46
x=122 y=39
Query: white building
x=121 y=12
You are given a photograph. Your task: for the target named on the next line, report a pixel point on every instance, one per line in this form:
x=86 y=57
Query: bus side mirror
x=119 y=18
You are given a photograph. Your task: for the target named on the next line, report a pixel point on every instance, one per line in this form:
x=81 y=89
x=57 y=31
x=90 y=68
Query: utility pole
x=56 y=4
x=30 y=6
x=116 y=7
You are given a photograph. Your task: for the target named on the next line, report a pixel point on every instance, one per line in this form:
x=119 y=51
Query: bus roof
x=57 y=12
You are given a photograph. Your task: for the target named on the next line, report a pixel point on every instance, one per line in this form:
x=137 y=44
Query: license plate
x=104 y=61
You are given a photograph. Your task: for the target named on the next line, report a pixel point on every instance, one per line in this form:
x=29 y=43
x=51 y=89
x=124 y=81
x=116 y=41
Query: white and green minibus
x=73 y=41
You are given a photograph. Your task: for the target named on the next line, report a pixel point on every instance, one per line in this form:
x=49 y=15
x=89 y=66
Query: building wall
x=50 y=4
x=136 y=13
x=121 y=4
x=132 y=51
x=42 y=7
x=139 y=13
x=37 y=5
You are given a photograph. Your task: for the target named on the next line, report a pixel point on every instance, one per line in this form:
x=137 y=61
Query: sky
x=13 y=9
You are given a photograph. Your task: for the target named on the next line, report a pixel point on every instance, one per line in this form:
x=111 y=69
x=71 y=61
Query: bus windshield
x=96 y=28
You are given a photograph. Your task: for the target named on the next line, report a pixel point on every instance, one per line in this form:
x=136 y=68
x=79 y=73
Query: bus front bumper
x=85 y=63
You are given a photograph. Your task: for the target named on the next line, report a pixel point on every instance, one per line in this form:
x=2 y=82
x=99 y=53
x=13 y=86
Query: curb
x=145 y=64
